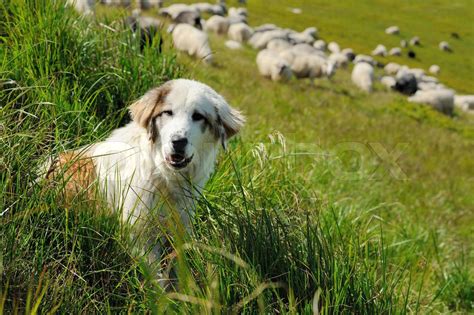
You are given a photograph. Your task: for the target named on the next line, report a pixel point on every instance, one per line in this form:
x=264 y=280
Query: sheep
x=188 y=17
x=339 y=59
x=395 y=51
x=259 y=40
x=406 y=83
x=444 y=46
x=434 y=69
x=203 y=7
x=278 y=45
x=392 y=30
x=271 y=65
x=403 y=43
x=174 y=10
x=238 y=12
x=301 y=38
x=365 y=58
x=240 y=32
x=232 y=44
x=363 y=76
x=411 y=54
x=424 y=86
x=192 y=41
x=388 y=81
x=84 y=7
x=415 y=41
x=464 y=102
x=266 y=27
x=217 y=24
x=441 y=100
x=380 y=50
x=392 y=68
x=312 y=31
x=311 y=66
x=334 y=47
x=349 y=52
x=320 y=45
x=307 y=49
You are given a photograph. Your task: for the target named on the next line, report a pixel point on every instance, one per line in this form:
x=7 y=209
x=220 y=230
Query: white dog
x=162 y=158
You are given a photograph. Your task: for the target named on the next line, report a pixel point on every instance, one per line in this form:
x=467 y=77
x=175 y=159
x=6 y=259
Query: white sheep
x=392 y=68
x=192 y=41
x=365 y=58
x=232 y=44
x=217 y=24
x=278 y=45
x=392 y=30
x=334 y=47
x=442 y=100
x=395 y=51
x=434 y=69
x=415 y=41
x=240 y=32
x=339 y=59
x=444 y=46
x=271 y=65
x=237 y=12
x=266 y=27
x=320 y=45
x=175 y=9
x=380 y=50
x=403 y=43
x=363 y=76
x=259 y=40
x=311 y=66
x=84 y=7
x=388 y=81
x=464 y=102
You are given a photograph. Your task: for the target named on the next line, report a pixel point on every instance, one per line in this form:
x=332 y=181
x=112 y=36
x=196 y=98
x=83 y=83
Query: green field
x=355 y=203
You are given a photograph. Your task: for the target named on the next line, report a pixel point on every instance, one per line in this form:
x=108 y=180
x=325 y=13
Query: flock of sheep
x=285 y=53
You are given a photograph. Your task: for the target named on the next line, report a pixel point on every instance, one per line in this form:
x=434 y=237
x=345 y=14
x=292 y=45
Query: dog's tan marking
x=149 y=105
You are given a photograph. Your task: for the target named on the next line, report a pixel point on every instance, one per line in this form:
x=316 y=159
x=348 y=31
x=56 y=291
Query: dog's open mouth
x=178 y=161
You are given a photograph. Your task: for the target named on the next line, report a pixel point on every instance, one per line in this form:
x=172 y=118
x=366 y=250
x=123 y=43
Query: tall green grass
x=271 y=232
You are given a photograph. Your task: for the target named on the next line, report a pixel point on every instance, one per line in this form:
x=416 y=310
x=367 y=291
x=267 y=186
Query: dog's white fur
x=134 y=164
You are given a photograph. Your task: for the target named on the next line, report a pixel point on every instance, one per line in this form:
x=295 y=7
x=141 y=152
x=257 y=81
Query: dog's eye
x=165 y=112
x=197 y=117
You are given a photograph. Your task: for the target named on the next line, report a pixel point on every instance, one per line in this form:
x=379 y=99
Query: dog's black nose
x=179 y=144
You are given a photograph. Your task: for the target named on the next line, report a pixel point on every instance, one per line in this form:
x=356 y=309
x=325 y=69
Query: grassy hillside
x=355 y=203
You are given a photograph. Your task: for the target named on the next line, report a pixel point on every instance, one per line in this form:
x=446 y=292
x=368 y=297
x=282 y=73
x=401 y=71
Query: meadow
x=330 y=200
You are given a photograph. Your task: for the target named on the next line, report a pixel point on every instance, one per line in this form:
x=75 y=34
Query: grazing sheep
x=392 y=30
x=174 y=10
x=441 y=100
x=238 y=12
x=365 y=58
x=334 y=47
x=271 y=65
x=464 y=102
x=388 y=81
x=380 y=50
x=395 y=51
x=320 y=45
x=278 y=45
x=311 y=66
x=217 y=24
x=392 y=68
x=415 y=41
x=424 y=86
x=296 y=10
x=406 y=83
x=403 y=43
x=240 y=32
x=444 y=46
x=434 y=69
x=339 y=59
x=84 y=7
x=188 y=17
x=363 y=76
x=259 y=40
x=266 y=27
x=349 y=52
x=192 y=41
x=203 y=7
x=411 y=54
x=232 y=44
x=306 y=49
x=300 y=38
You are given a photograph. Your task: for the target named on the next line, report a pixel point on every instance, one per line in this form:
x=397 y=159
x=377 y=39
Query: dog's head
x=186 y=121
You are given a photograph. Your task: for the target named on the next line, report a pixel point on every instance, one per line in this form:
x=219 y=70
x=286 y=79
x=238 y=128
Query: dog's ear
x=145 y=109
x=229 y=121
